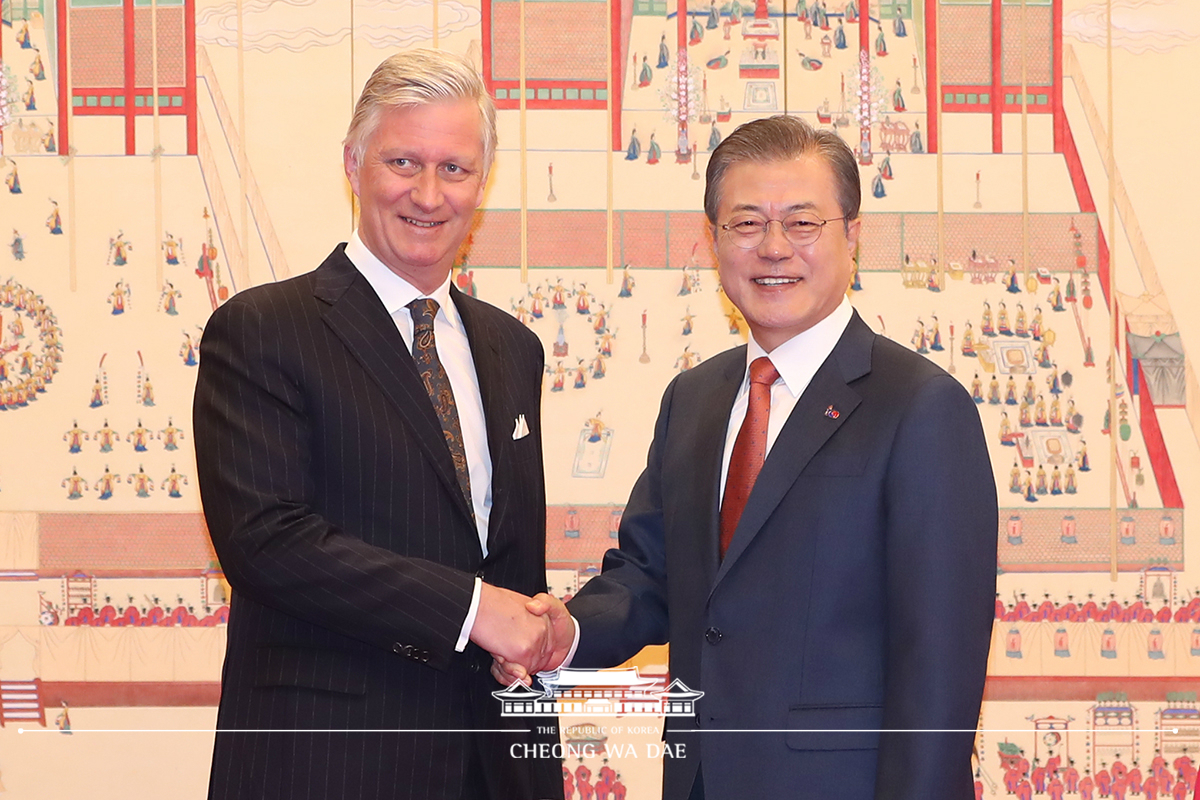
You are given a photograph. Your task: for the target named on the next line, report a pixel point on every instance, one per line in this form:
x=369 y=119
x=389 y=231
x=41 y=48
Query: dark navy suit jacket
x=856 y=595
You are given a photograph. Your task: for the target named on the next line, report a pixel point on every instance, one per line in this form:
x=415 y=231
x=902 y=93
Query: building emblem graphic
x=606 y=693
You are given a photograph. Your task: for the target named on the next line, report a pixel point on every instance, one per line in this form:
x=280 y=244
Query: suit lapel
x=807 y=429
x=711 y=422
x=494 y=392
x=356 y=315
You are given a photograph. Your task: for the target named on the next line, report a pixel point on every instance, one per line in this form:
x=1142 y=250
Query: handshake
x=524 y=635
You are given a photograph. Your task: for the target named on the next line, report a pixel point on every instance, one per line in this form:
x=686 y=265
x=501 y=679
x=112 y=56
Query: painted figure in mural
x=664 y=54
x=688 y=316
x=172 y=250
x=119 y=298
x=558 y=294
x=106 y=482
x=54 y=221
x=935 y=335
x=977 y=389
x=604 y=343
x=645 y=74
x=687 y=359
x=75 y=438
x=718 y=62
x=583 y=300
x=17 y=246
x=167 y=300
x=885 y=167
x=1030 y=390
x=598 y=368
x=737 y=551
x=187 y=350
x=734 y=19
x=37 y=69
x=386 y=579
x=1056 y=298
x=898 y=26
x=118 y=249
x=559 y=374
x=13 y=179
x=839 y=36
x=537 y=303
x=142 y=483
x=1084 y=463
x=968 y=342
x=147 y=391
x=1020 y=328
x=916 y=142
x=881 y=43
x=1024 y=416
x=877 y=189
x=599 y=319
x=580 y=374
x=634 y=151
x=714 y=16
x=1039 y=413
x=735 y=321
x=171 y=436
x=1035 y=326
x=1053 y=384
x=654 y=151
x=1005 y=430
x=993 y=394
x=106 y=437
x=1002 y=320
x=850 y=12
x=23 y=39
x=985 y=323
x=920 y=338
x=140 y=437
x=898 y=98
x=819 y=14
x=810 y=64
x=27 y=96
x=627 y=283
x=696 y=31
x=173 y=483
x=74 y=485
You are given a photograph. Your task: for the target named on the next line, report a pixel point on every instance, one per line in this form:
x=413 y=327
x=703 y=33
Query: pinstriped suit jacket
x=332 y=503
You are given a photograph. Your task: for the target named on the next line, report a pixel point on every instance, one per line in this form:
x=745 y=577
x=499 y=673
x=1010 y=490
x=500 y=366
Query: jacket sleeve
x=255 y=467
x=941 y=533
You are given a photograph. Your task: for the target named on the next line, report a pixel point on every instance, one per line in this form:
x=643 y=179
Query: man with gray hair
x=347 y=423
x=824 y=566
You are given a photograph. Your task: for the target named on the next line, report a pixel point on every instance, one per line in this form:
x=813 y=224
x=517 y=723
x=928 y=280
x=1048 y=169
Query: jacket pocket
x=834 y=727
x=325 y=670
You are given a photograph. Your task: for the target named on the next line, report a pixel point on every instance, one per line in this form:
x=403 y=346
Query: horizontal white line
x=24 y=687
x=526 y=730
x=284 y=730
x=18 y=695
x=23 y=715
x=8 y=706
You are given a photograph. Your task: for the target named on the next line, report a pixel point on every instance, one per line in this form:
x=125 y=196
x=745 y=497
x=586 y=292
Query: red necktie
x=749 y=449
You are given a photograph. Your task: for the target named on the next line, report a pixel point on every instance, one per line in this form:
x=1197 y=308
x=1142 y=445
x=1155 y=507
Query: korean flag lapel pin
x=832 y=412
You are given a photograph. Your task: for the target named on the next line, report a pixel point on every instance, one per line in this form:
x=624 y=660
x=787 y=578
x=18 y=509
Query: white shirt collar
x=395 y=292
x=799 y=358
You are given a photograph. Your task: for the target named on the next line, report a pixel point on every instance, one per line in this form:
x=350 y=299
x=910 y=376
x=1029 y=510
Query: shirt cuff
x=469 y=622
x=570 y=654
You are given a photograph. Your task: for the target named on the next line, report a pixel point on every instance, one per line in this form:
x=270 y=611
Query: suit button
x=398 y=649
x=475 y=666
x=713 y=635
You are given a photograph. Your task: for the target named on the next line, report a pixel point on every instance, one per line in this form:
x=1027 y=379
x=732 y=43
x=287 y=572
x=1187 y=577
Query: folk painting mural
x=1027 y=172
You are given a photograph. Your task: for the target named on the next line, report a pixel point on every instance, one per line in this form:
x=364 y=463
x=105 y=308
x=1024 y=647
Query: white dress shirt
x=454 y=351
x=796 y=360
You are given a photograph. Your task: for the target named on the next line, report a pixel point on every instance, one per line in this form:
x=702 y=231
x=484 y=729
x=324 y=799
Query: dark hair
x=783 y=138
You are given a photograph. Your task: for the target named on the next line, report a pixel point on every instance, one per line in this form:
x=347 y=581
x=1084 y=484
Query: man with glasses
x=824 y=567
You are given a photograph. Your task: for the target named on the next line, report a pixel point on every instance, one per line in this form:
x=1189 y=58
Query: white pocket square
x=521 y=429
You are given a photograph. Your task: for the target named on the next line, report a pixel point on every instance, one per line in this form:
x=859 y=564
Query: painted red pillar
x=997 y=78
x=130 y=79
x=189 y=55
x=933 y=88
x=64 y=102
x=1056 y=65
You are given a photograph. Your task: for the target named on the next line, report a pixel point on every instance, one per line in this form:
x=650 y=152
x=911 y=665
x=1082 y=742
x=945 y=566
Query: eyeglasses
x=800 y=229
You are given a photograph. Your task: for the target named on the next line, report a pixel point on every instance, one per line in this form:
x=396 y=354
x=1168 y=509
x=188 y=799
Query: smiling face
x=419 y=181
x=784 y=289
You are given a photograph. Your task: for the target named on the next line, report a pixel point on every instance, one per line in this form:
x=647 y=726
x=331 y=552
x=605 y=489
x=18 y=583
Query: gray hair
x=783 y=138
x=414 y=78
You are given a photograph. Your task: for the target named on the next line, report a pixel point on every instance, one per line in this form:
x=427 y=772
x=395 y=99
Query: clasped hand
x=524 y=635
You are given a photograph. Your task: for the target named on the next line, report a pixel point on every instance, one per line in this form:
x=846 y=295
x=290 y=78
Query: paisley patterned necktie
x=433 y=375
